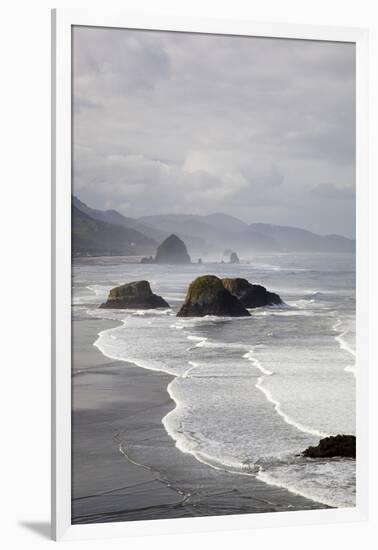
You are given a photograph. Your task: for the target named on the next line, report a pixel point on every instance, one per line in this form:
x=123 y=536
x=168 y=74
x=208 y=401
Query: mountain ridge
x=211 y=233
x=94 y=237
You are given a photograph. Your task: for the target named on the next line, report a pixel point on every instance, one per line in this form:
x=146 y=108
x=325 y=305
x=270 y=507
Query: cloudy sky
x=263 y=129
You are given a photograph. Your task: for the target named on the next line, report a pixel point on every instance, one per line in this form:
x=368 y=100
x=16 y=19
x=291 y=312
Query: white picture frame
x=62 y=22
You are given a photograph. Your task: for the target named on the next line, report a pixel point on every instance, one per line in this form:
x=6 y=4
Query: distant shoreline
x=136 y=259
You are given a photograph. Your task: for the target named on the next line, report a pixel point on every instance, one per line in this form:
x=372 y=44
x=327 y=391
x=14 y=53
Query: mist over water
x=251 y=393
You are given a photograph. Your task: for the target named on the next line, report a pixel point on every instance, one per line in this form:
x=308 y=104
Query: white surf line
x=269 y=480
x=97 y=292
x=287 y=419
x=135 y=362
x=256 y=362
x=344 y=345
x=193 y=365
x=197 y=339
x=122 y=447
x=184 y=444
x=277 y=404
x=350 y=368
x=340 y=338
x=181 y=442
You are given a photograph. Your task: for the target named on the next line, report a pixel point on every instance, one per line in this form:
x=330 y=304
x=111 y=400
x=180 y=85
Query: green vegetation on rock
x=207 y=296
x=250 y=295
x=134 y=295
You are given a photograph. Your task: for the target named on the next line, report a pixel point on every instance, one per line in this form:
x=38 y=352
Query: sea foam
x=243 y=398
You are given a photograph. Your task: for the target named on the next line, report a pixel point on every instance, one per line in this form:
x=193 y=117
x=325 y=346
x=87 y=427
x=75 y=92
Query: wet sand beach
x=125 y=465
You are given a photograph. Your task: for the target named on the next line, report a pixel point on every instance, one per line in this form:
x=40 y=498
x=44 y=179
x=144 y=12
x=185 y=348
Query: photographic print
x=213 y=275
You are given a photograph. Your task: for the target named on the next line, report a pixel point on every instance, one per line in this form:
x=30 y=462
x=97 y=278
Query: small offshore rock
x=134 y=295
x=234 y=259
x=148 y=260
x=333 y=446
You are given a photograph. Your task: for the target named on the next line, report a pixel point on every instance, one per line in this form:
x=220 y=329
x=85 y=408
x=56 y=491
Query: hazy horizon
x=211 y=214
x=260 y=129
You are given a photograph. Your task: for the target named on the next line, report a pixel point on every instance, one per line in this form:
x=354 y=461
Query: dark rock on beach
x=207 y=296
x=334 y=445
x=135 y=295
x=250 y=295
x=172 y=251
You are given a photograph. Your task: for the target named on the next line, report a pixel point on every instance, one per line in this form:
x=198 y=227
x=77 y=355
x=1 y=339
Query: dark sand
x=125 y=465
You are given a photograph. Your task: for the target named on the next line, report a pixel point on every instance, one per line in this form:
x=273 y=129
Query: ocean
x=250 y=393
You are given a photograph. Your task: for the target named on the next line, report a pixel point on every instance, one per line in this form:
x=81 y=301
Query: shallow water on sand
x=250 y=393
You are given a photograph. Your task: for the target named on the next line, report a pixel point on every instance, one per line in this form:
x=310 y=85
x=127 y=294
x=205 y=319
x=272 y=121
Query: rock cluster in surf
x=251 y=295
x=134 y=295
x=207 y=296
x=334 y=445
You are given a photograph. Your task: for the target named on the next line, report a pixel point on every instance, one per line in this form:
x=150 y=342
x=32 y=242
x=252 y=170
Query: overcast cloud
x=263 y=129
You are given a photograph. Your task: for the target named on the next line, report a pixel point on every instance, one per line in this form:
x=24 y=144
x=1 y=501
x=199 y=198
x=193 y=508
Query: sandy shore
x=126 y=467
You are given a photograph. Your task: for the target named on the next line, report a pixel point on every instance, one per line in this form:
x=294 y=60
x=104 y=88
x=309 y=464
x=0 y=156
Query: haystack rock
x=207 y=296
x=172 y=251
x=234 y=259
x=135 y=295
x=250 y=295
x=334 y=445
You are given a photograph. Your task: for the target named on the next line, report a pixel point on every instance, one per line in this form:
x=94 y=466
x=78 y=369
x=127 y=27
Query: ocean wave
x=351 y=368
x=205 y=343
x=187 y=442
x=344 y=344
x=196 y=338
x=264 y=467
x=107 y=342
x=281 y=470
x=238 y=406
x=191 y=322
x=277 y=406
x=249 y=355
x=216 y=454
x=150 y=312
x=193 y=366
x=174 y=296
x=278 y=268
x=282 y=313
x=331 y=483
x=99 y=290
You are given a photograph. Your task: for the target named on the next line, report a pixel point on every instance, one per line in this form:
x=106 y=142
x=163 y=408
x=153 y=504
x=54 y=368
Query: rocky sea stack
x=335 y=445
x=135 y=295
x=207 y=296
x=251 y=295
x=172 y=251
x=234 y=258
